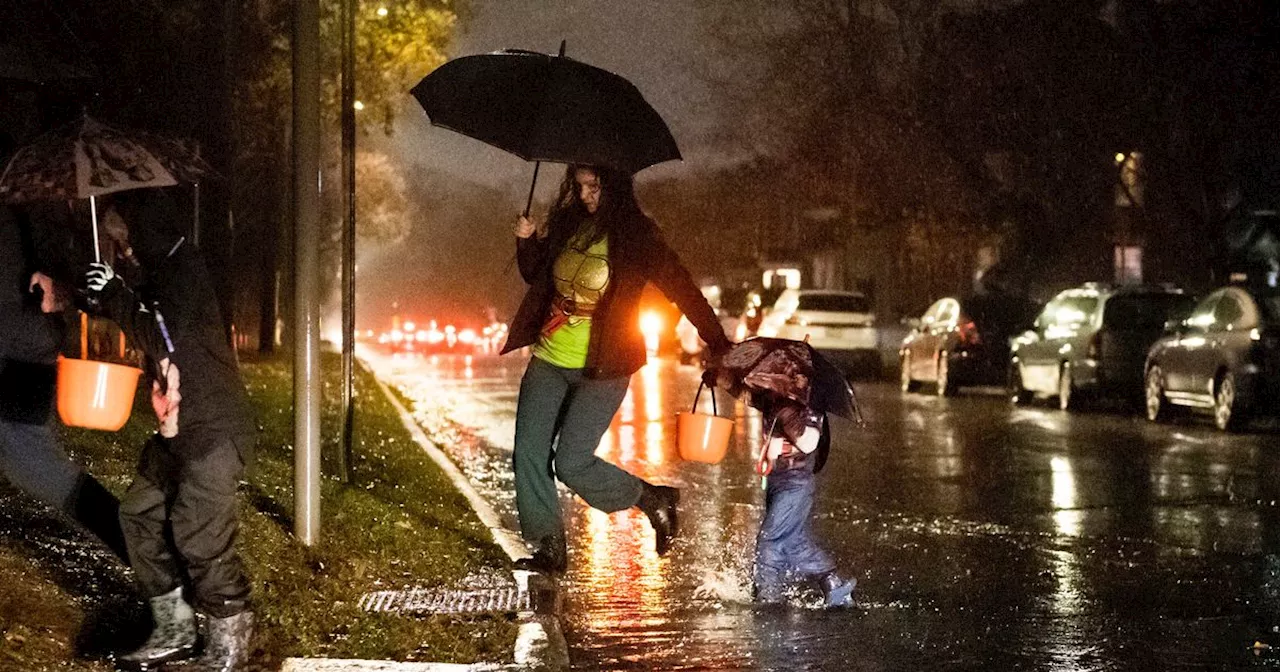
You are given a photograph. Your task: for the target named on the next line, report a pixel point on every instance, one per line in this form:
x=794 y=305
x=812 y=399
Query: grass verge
x=399 y=524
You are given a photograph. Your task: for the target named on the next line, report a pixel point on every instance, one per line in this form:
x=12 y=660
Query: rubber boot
x=226 y=645
x=659 y=503
x=173 y=638
x=94 y=507
x=836 y=592
x=551 y=557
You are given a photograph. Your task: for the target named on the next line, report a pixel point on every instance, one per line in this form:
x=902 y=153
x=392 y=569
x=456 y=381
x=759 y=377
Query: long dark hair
x=618 y=206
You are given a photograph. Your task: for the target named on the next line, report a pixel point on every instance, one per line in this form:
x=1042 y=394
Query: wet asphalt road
x=983 y=536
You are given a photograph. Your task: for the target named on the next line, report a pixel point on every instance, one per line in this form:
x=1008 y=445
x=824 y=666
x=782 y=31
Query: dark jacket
x=636 y=256
x=29 y=339
x=175 y=283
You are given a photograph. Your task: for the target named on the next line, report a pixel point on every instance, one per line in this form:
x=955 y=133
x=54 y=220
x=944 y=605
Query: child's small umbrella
x=781 y=368
x=87 y=159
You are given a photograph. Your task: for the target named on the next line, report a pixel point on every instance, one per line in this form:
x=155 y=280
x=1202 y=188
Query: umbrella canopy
x=781 y=368
x=88 y=158
x=547 y=108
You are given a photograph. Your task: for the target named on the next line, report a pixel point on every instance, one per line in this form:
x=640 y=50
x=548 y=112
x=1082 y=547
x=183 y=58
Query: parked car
x=963 y=341
x=1092 y=340
x=839 y=324
x=1224 y=357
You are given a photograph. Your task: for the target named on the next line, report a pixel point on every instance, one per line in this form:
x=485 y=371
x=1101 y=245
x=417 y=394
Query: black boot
x=99 y=512
x=836 y=592
x=659 y=503
x=172 y=638
x=551 y=557
x=226 y=645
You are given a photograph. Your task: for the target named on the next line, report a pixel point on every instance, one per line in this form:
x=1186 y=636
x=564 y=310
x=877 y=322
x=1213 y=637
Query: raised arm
x=670 y=276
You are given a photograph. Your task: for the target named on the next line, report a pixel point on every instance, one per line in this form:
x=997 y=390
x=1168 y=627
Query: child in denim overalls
x=796 y=442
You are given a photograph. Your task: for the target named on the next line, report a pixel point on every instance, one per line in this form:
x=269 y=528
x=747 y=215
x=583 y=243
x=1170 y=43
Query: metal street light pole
x=348 y=237
x=306 y=328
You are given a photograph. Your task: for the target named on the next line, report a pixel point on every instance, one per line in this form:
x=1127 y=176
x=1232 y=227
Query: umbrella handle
x=714 y=410
x=93 y=211
x=529 y=204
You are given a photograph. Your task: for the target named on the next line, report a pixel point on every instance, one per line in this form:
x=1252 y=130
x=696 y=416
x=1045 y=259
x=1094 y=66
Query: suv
x=838 y=324
x=1092 y=339
x=1224 y=357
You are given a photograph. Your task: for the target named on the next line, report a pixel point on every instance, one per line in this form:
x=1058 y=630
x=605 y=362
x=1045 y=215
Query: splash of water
x=724 y=585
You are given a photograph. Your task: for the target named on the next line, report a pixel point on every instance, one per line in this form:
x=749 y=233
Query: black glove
x=710 y=376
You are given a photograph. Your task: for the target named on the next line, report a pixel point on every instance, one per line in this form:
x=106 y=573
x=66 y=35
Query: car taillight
x=968 y=332
x=1094 y=348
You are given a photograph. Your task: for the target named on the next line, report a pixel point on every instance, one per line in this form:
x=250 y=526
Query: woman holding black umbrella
x=586 y=269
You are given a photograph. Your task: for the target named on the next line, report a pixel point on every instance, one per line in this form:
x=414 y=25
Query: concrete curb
x=540 y=644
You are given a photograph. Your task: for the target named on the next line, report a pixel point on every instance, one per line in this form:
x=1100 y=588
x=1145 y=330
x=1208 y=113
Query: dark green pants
x=179 y=516
x=560 y=418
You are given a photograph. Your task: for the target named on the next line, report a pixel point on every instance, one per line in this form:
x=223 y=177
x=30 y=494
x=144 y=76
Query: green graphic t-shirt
x=581 y=274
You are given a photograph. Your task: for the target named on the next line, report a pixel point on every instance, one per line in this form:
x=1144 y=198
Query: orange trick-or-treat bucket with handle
x=703 y=437
x=96 y=395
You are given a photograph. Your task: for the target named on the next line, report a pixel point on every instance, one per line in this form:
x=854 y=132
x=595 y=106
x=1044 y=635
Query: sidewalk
x=403 y=525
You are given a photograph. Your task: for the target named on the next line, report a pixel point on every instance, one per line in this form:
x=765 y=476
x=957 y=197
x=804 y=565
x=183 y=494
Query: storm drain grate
x=438 y=601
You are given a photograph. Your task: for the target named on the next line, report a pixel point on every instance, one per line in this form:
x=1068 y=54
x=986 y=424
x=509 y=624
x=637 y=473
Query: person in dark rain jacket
x=31 y=335
x=189 y=470
x=586 y=269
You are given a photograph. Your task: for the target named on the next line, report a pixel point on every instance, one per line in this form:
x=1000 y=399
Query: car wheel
x=1157 y=405
x=1017 y=393
x=1067 y=399
x=946 y=384
x=1227 y=412
x=908 y=385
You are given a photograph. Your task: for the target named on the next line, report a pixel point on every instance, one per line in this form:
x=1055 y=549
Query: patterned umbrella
x=780 y=368
x=87 y=159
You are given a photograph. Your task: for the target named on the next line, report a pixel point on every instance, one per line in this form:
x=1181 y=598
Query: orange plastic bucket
x=96 y=395
x=703 y=437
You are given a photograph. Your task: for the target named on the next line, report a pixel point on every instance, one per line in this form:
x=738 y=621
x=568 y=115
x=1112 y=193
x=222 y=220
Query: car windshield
x=1146 y=310
x=834 y=303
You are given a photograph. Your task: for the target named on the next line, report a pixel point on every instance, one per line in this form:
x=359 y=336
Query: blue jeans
x=785 y=546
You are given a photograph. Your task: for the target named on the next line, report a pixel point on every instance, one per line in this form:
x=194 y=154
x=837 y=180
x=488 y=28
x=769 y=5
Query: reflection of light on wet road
x=1065 y=517
x=626 y=443
x=654 y=440
x=652 y=392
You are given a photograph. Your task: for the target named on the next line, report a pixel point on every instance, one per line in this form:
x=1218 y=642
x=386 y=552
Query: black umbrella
x=781 y=368
x=547 y=108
